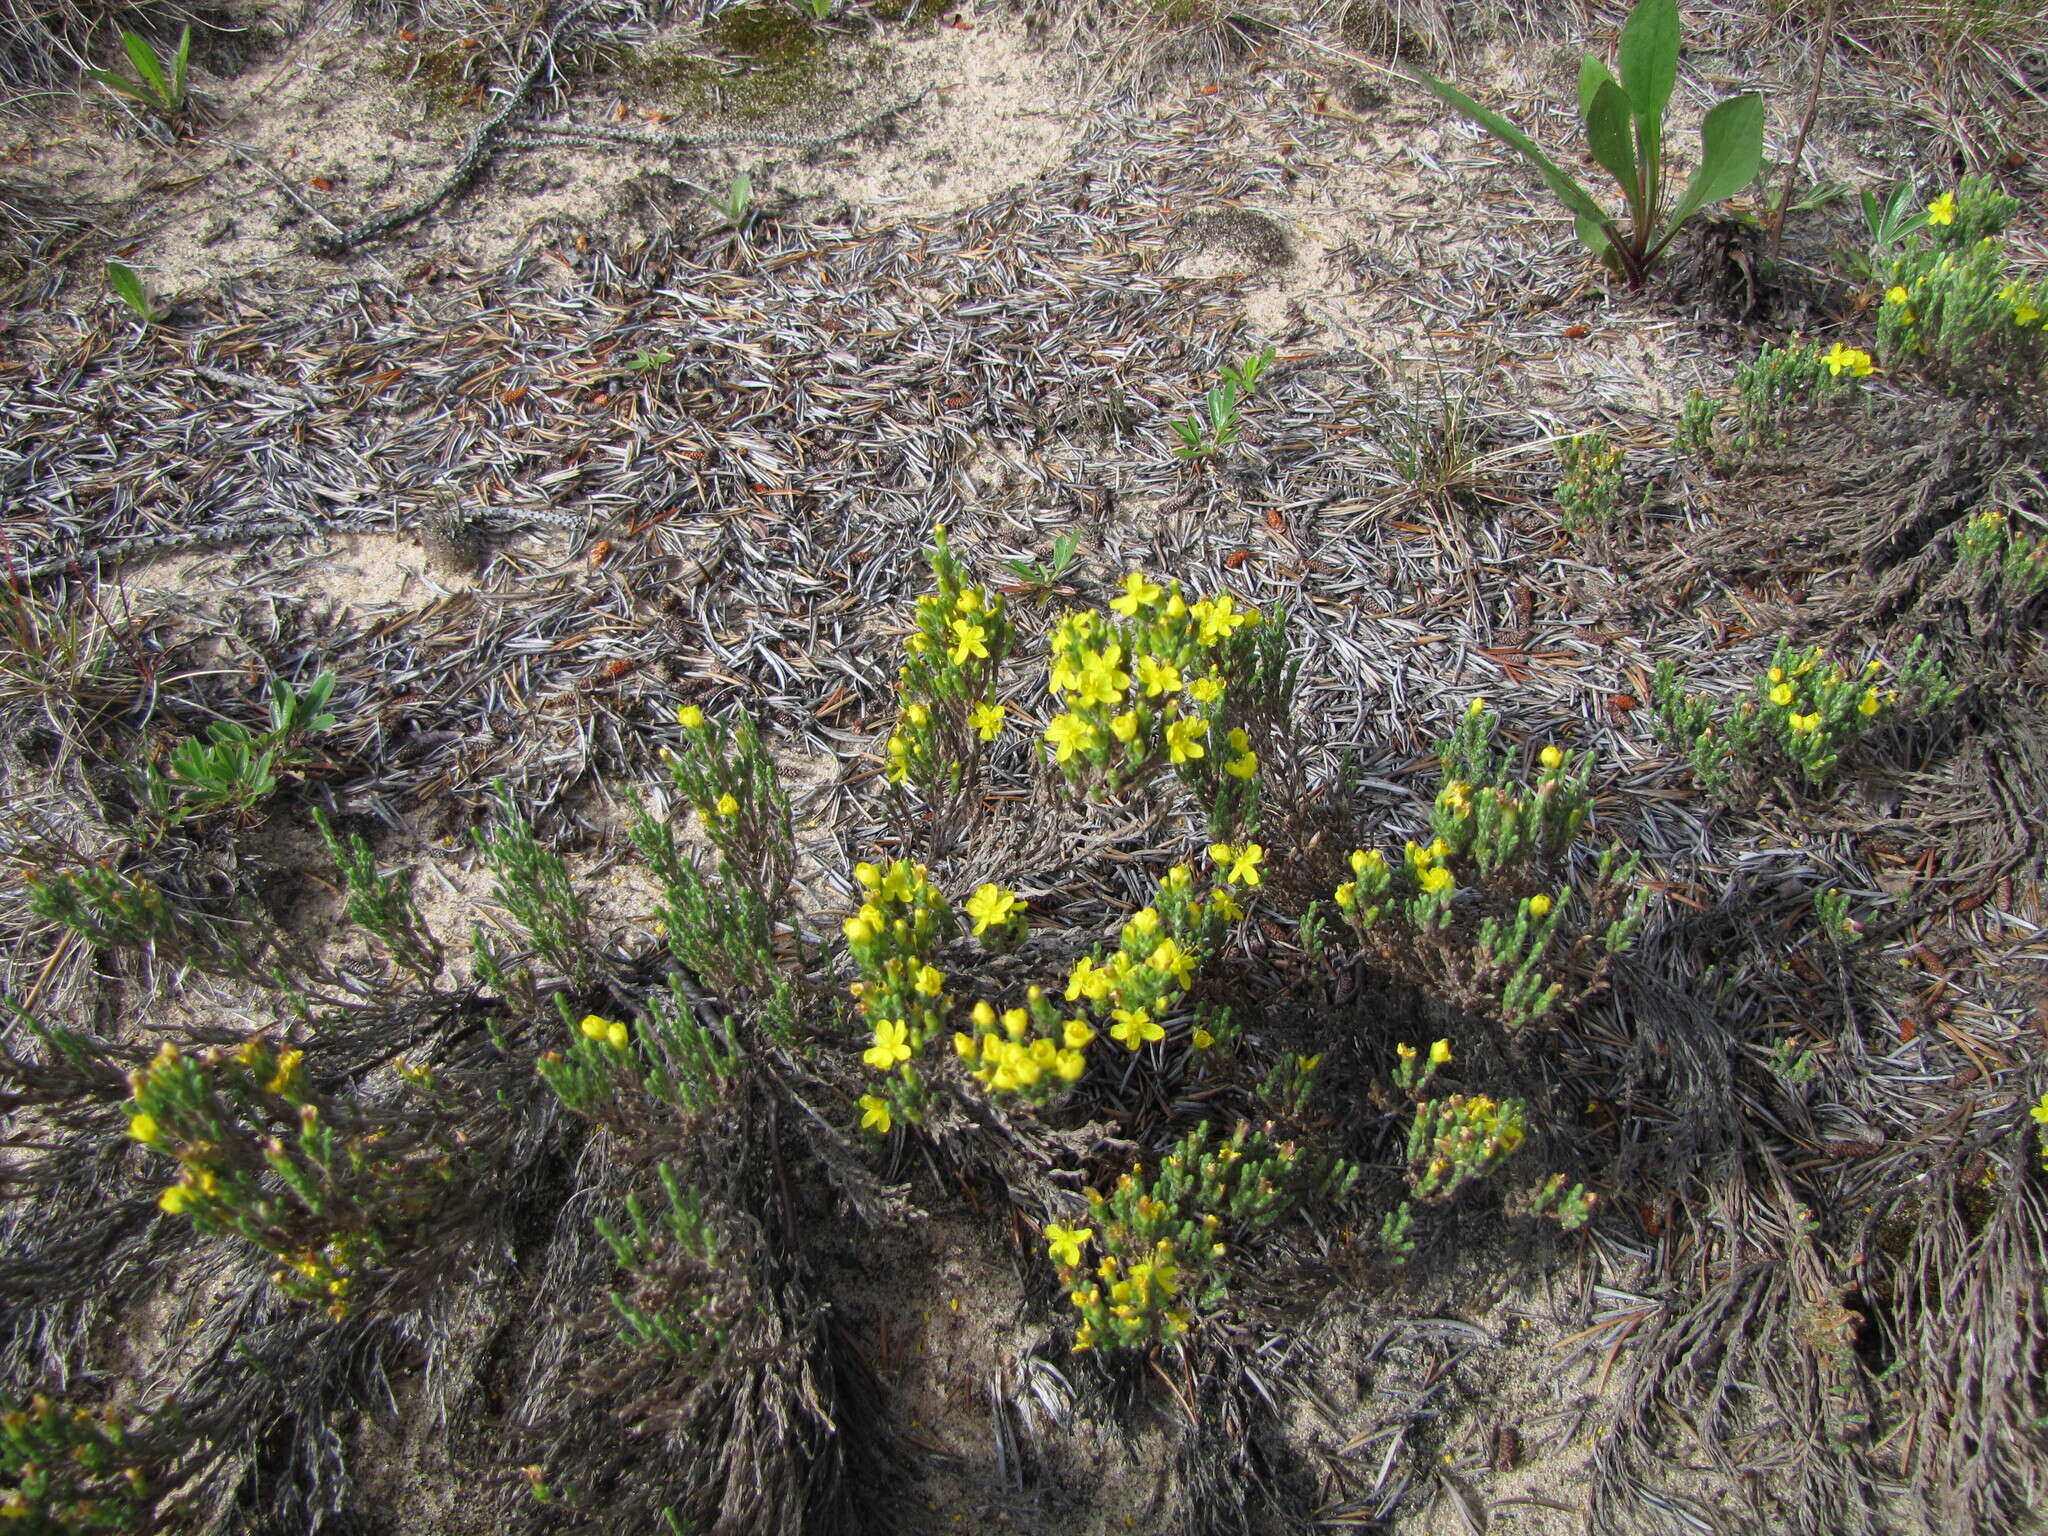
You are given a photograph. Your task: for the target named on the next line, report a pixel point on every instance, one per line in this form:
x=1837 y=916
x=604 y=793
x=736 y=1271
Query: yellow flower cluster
x=214 y=1115
x=1421 y=896
x=1148 y=689
x=1040 y=1048
x=902 y=919
x=1158 y=1244
x=1814 y=709
x=947 y=683
x=1459 y=1139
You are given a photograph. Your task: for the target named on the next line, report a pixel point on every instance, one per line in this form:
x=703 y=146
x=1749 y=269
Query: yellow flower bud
x=690 y=717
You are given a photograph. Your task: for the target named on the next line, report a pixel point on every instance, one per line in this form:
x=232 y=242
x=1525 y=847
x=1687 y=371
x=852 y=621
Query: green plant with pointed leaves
x=161 y=92
x=1624 y=121
x=127 y=286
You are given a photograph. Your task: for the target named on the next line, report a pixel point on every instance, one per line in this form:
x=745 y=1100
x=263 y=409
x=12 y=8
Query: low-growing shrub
x=1953 y=304
x=1802 y=713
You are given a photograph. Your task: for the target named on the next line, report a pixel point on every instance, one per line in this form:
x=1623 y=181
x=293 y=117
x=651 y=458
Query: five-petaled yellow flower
x=992 y=907
x=969 y=640
x=1942 y=210
x=1070 y=734
x=874 y=1114
x=1782 y=695
x=1064 y=1243
x=1851 y=360
x=1181 y=744
x=1240 y=865
x=1158 y=676
x=892 y=1044
x=987 y=720
x=1134 y=1027
x=727 y=806
x=1138 y=593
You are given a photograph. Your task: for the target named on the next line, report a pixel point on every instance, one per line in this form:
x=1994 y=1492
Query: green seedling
x=648 y=360
x=1624 y=121
x=1045 y=575
x=128 y=287
x=739 y=197
x=163 y=93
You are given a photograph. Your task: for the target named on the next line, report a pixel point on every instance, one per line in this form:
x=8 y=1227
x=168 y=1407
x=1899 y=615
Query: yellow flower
x=1181 y=744
x=1069 y=734
x=965 y=1045
x=984 y=1015
x=690 y=717
x=1134 y=1027
x=1438 y=881
x=1076 y=1034
x=858 y=930
x=615 y=1035
x=1240 y=865
x=1016 y=1021
x=1853 y=360
x=874 y=1114
x=1868 y=704
x=1064 y=1243
x=2039 y=1112
x=1804 y=723
x=1776 y=674
x=1942 y=210
x=969 y=640
x=987 y=720
x=593 y=1027
x=1124 y=727
x=1203 y=1039
x=144 y=1129
x=1088 y=980
x=1069 y=1065
x=1169 y=959
x=992 y=907
x=1219 y=620
x=916 y=715
x=1539 y=905
x=1158 y=676
x=727 y=806
x=1225 y=903
x=1138 y=593
x=929 y=981
x=1782 y=695
x=1440 y=1054
x=892 y=1044
x=970 y=600
x=1896 y=295
x=175 y=1199
x=1206 y=690
x=1551 y=758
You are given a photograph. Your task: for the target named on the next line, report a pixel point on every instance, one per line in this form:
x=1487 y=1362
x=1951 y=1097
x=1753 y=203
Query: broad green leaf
x=1592 y=75
x=121 y=83
x=129 y=290
x=143 y=57
x=1569 y=192
x=179 y=70
x=1608 y=131
x=1594 y=237
x=1731 y=153
x=1648 y=56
